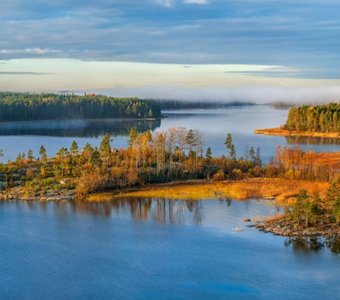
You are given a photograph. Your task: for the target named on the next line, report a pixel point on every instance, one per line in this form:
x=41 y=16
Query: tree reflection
x=311 y=244
x=78 y=128
x=158 y=210
x=311 y=140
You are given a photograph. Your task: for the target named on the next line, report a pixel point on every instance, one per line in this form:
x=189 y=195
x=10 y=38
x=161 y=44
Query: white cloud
x=196 y=1
x=37 y=51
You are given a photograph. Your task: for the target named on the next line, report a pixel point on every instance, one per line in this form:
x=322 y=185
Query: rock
x=247 y=220
x=237 y=229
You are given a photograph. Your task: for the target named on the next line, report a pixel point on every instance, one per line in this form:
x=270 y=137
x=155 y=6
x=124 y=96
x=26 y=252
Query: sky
x=224 y=50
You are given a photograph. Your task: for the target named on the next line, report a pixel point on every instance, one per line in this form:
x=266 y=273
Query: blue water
x=213 y=123
x=159 y=249
x=143 y=249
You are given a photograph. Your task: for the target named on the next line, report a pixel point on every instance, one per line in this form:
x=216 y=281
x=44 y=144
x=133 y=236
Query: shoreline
x=279 y=226
x=285 y=132
x=281 y=191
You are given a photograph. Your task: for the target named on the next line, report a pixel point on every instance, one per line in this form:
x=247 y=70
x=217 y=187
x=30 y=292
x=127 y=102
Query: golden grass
x=327 y=158
x=284 y=191
x=284 y=132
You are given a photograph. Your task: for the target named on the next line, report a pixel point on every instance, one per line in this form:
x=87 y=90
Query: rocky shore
x=280 y=226
x=19 y=193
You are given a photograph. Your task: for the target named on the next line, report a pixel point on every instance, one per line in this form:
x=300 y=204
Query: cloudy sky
x=191 y=49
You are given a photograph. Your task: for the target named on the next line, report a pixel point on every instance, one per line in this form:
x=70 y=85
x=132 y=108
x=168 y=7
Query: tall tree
x=105 y=147
x=74 y=148
x=230 y=147
x=42 y=153
x=132 y=136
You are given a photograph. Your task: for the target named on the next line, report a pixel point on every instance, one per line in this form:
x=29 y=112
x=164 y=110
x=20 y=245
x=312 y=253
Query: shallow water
x=154 y=249
x=18 y=137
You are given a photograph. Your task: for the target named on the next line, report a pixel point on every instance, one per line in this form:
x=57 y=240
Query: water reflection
x=77 y=128
x=157 y=210
x=306 y=245
x=18 y=137
x=222 y=216
x=194 y=212
x=310 y=140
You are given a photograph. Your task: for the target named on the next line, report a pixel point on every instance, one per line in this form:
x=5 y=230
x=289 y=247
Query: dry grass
x=327 y=158
x=284 y=132
x=284 y=191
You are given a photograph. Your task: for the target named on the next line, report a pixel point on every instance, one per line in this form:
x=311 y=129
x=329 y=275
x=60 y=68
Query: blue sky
x=289 y=40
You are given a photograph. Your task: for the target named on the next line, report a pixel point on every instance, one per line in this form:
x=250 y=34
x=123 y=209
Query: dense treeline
x=181 y=104
x=320 y=118
x=311 y=210
x=175 y=154
x=25 y=106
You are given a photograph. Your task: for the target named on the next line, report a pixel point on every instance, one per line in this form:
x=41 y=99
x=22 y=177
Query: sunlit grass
x=284 y=191
x=285 y=132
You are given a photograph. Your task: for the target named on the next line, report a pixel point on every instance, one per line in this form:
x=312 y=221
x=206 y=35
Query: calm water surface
x=154 y=249
x=17 y=137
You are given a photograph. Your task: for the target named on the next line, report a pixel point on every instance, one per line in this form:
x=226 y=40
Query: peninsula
x=314 y=121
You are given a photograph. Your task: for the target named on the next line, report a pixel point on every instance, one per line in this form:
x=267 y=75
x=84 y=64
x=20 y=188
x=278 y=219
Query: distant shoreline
x=285 y=132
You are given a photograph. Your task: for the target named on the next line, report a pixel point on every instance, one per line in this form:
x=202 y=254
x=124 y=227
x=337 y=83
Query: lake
x=155 y=249
x=18 y=137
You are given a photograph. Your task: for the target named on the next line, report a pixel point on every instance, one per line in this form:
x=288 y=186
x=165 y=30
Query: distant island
x=182 y=104
x=314 y=121
x=27 y=107
x=173 y=164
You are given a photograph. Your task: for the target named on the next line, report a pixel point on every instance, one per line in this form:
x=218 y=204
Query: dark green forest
x=182 y=104
x=26 y=106
x=319 y=118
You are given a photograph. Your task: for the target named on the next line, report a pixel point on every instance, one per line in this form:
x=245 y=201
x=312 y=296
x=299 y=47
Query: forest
x=171 y=155
x=182 y=104
x=319 y=118
x=26 y=106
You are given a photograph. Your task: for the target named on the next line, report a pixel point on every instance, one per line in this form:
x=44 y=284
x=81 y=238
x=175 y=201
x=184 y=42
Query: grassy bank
x=284 y=191
x=285 y=132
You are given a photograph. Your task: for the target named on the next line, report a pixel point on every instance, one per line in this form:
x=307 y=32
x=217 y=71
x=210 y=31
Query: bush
x=219 y=176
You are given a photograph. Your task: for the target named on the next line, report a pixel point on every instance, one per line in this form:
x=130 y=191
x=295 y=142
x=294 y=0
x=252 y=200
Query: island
x=307 y=120
x=174 y=165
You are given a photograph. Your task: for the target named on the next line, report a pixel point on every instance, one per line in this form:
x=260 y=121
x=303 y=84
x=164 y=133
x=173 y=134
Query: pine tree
x=251 y=154
x=42 y=153
x=74 y=148
x=230 y=147
x=104 y=147
x=258 y=160
x=30 y=155
x=132 y=136
x=208 y=153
